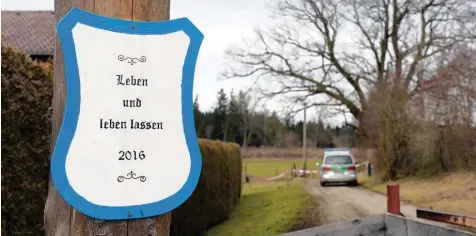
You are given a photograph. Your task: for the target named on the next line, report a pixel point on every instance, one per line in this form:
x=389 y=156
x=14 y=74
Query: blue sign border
x=73 y=102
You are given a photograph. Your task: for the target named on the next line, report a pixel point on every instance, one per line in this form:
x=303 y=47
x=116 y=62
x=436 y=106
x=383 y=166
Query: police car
x=338 y=166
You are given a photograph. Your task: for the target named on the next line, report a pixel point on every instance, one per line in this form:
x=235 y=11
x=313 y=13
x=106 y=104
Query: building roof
x=32 y=32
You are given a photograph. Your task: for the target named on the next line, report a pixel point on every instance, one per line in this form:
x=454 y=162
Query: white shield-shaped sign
x=127 y=147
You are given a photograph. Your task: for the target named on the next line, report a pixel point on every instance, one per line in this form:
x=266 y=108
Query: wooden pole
x=304 y=141
x=265 y=125
x=60 y=219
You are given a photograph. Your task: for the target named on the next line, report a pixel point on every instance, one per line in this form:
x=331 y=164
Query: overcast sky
x=223 y=23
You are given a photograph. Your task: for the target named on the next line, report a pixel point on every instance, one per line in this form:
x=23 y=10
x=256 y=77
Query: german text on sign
x=127 y=147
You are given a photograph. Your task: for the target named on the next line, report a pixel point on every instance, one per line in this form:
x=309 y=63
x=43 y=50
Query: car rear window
x=338 y=160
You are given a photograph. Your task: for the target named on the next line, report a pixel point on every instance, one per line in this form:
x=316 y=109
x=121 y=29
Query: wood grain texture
x=151 y=10
x=57 y=213
x=114 y=8
x=60 y=218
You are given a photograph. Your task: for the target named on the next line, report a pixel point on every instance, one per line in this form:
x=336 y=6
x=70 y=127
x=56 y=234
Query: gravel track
x=342 y=203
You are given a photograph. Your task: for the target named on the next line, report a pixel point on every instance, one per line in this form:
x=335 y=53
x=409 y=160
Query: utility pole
x=245 y=125
x=304 y=140
x=318 y=122
x=265 y=125
x=60 y=218
x=317 y=133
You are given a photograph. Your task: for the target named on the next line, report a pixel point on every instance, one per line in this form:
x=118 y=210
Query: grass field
x=453 y=192
x=266 y=209
x=268 y=167
x=297 y=153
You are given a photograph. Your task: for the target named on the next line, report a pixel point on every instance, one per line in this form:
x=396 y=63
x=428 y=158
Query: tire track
x=332 y=206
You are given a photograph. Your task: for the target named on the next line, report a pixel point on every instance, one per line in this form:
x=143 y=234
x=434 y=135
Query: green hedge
x=217 y=192
x=26 y=127
x=26 y=131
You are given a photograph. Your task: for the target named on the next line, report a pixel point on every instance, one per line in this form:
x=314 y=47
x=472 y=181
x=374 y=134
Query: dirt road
x=341 y=203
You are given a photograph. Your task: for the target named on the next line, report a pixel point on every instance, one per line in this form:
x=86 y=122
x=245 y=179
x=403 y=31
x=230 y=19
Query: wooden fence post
x=60 y=218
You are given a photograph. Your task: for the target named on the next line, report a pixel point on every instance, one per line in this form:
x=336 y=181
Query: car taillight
x=351 y=168
x=326 y=168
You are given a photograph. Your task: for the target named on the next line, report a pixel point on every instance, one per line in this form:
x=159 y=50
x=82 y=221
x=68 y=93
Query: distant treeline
x=234 y=118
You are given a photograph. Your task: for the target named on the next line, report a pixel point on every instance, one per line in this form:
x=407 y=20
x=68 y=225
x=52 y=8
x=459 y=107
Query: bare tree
x=446 y=134
x=320 y=115
x=247 y=106
x=451 y=95
x=342 y=48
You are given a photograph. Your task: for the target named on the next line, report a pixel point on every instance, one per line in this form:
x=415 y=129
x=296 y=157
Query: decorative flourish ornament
x=131 y=175
x=131 y=60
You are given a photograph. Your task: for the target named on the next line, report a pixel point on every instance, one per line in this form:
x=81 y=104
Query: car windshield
x=338 y=160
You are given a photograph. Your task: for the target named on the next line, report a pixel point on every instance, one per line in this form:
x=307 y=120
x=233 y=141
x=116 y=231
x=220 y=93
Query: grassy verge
x=268 y=167
x=266 y=209
x=452 y=192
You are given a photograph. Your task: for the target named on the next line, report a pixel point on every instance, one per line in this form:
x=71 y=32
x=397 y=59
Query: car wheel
x=323 y=184
x=354 y=183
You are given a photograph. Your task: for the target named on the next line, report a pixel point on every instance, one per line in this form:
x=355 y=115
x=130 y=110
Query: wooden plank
x=114 y=8
x=82 y=224
x=79 y=224
x=60 y=218
x=57 y=215
x=151 y=10
x=156 y=226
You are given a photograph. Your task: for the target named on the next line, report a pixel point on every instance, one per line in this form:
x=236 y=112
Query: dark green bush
x=217 y=192
x=26 y=128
